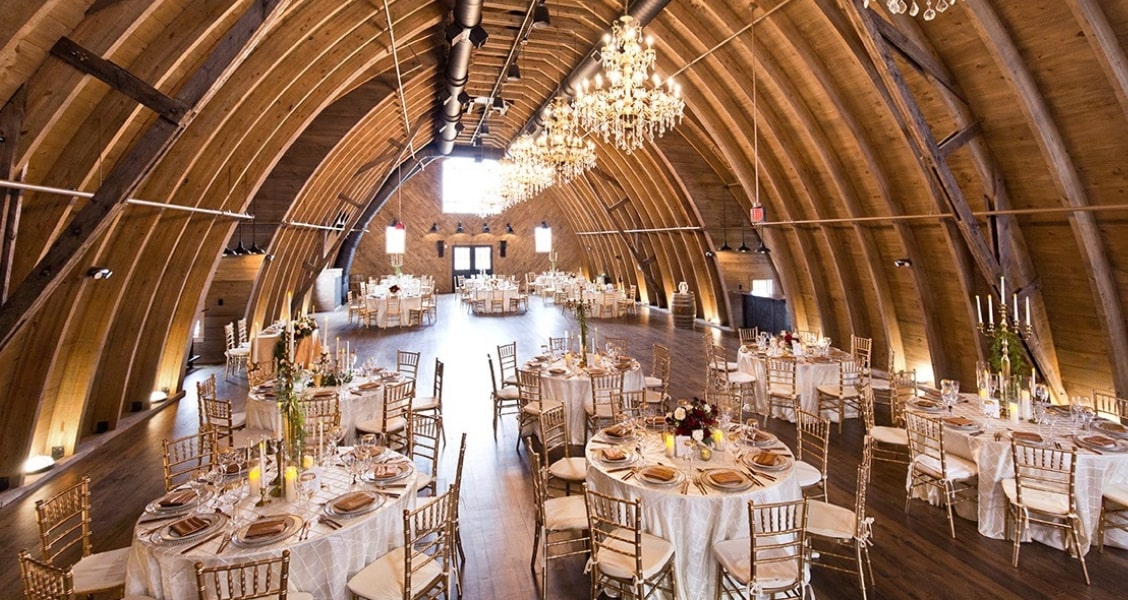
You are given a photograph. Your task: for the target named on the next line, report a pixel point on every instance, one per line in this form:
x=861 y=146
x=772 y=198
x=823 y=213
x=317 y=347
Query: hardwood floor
x=913 y=556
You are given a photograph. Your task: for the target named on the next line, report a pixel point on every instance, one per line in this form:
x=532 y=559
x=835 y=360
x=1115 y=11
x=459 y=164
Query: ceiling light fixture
x=898 y=7
x=541 y=18
x=459 y=229
x=628 y=111
x=434 y=228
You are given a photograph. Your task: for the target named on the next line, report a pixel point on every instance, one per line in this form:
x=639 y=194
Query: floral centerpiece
x=394 y=289
x=698 y=415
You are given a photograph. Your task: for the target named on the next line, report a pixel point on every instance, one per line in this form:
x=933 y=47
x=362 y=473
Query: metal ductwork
x=464 y=34
x=643 y=11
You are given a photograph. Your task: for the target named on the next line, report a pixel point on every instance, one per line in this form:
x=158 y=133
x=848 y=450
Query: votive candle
x=289 y=483
x=719 y=439
x=669 y=439
x=254 y=480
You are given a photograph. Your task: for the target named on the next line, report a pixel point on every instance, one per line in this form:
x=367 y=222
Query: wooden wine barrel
x=684 y=308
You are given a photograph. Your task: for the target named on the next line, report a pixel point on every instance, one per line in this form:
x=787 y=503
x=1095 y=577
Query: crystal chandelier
x=628 y=111
x=898 y=7
x=525 y=168
x=560 y=144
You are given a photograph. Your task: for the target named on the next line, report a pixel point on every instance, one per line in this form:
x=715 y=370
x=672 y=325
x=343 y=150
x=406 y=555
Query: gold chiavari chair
x=189 y=457
x=393 y=421
x=622 y=343
x=531 y=402
x=560 y=522
x=64 y=522
x=831 y=529
x=734 y=381
x=241 y=329
x=930 y=465
x=553 y=428
x=890 y=444
x=771 y=562
x=558 y=345
x=903 y=387
x=628 y=304
x=507 y=363
x=506 y=399
x=605 y=391
x=42 y=581
x=407 y=364
x=393 y=311
x=422 y=566
x=322 y=412
x=433 y=404
x=520 y=302
x=1114 y=511
x=836 y=397
x=657 y=384
x=424 y=450
x=812 y=454
x=457 y=553
x=748 y=335
x=1109 y=406
x=782 y=389
x=262 y=372
x=1044 y=491
x=219 y=417
x=624 y=557
x=236 y=355
x=263 y=578
x=630 y=405
x=862 y=350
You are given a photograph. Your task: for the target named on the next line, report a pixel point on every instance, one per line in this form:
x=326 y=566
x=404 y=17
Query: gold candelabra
x=1009 y=322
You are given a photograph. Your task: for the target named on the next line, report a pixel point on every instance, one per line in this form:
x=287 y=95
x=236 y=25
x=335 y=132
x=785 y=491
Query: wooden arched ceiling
x=985 y=142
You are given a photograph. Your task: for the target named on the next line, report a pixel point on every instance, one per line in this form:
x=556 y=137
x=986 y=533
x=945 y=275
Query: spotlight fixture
x=544 y=224
x=485 y=227
x=762 y=249
x=541 y=17
x=99 y=273
x=513 y=73
x=902 y=263
x=459 y=229
x=434 y=228
x=508 y=228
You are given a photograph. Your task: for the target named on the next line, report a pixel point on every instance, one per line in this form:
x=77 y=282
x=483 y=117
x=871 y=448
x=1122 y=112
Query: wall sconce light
x=901 y=263
x=513 y=73
x=485 y=227
x=38 y=463
x=434 y=228
x=459 y=229
x=508 y=228
x=99 y=273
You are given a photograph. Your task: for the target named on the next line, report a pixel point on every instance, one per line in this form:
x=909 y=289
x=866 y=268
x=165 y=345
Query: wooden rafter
x=70 y=52
x=11 y=119
x=1106 y=46
x=94 y=219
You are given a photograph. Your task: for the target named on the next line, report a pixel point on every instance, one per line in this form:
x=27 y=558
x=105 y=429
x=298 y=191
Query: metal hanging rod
x=937 y=216
x=730 y=38
x=17 y=185
x=320 y=227
x=651 y=230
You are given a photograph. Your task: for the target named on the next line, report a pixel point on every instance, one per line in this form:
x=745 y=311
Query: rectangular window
x=461 y=258
x=542 y=237
x=483 y=256
x=763 y=287
x=468 y=184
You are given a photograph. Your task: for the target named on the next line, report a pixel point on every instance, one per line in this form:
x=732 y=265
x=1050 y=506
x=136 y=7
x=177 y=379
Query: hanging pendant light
x=724 y=229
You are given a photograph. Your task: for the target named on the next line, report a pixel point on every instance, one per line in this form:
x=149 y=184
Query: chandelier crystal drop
x=560 y=144
x=930 y=11
x=634 y=106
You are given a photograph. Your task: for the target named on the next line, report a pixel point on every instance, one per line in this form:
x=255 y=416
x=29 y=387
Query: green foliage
x=1018 y=364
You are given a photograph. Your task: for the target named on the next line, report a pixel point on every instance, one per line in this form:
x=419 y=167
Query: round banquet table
x=378 y=305
x=572 y=387
x=682 y=514
x=321 y=564
x=993 y=457
x=486 y=294
x=810 y=373
x=307 y=351
x=359 y=401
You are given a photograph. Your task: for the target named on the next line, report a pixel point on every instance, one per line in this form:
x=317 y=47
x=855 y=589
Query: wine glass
x=950 y=392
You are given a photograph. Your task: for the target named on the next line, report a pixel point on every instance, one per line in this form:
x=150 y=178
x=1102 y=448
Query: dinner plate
x=387 y=472
x=960 y=423
x=557 y=371
x=1100 y=442
x=780 y=462
x=926 y=405
x=618 y=432
x=1112 y=429
x=762 y=439
x=710 y=478
x=331 y=508
x=188 y=504
x=292 y=523
x=168 y=532
x=628 y=455
x=655 y=475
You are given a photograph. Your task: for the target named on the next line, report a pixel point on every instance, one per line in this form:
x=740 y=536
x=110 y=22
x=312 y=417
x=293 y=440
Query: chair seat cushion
x=654 y=396
x=830 y=520
x=377 y=425
x=383 y=579
x=422 y=480
x=1117 y=494
x=779 y=389
x=833 y=390
x=741 y=378
x=511 y=380
x=565 y=513
x=238 y=420
x=958 y=467
x=735 y=558
x=656 y=552
x=807 y=474
x=536 y=408
x=1042 y=501
x=729 y=366
x=424 y=403
x=508 y=393
x=100 y=571
x=569 y=468
x=890 y=435
x=239 y=352
x=651 y=382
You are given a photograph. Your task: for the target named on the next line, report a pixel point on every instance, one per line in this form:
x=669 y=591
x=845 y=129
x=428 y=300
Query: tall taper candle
x=979 y=310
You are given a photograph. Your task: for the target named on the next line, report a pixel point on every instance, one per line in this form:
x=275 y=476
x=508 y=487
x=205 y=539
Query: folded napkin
x=352 y=502
x=958 y=421
x=925 y=404
x=186 y=527
x=385 y=471
x=368 y=385
x=1099 y=441
x=1027 y=436
x=325 y=394
x=266 y=528
x=660 y=472
x=614 y=453
x=766 y=459
x=726 y=477
x=1114 y=427
x=596 y=371
x=760 y=436
x=230 y=468
x=618 y=431
x=177 y=499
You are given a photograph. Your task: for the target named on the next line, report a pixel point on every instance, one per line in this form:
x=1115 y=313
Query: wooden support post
x=127 y=174
x=11 y=119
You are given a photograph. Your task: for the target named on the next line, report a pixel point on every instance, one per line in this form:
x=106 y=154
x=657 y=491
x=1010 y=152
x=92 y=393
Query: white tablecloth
x=1094 y=473
x=691 y=522
x=809 y=375
x=320 y=565
x=307 y=350
x=573 y=388
x=359 y=402
x=378 y=304
x=487 y=294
